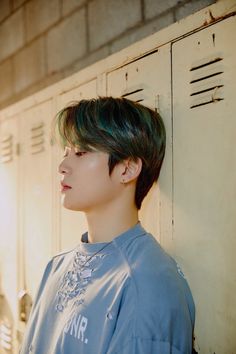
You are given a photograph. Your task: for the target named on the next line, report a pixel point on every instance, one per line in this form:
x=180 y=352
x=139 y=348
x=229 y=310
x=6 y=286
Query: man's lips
x=64 y=187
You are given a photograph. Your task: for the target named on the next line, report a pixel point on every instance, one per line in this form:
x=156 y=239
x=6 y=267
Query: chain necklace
x=93 y=255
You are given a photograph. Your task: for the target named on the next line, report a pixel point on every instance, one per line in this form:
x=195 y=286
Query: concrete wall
x=43 y=41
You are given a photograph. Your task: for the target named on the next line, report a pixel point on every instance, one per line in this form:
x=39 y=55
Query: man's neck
x=105 y=226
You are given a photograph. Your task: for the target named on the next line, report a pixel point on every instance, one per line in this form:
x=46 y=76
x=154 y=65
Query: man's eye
x=80 y=153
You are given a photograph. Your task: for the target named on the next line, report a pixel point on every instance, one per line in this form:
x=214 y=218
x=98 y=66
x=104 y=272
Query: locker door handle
x=25 y=304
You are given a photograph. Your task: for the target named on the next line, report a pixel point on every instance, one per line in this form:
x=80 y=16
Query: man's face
x=87 y=176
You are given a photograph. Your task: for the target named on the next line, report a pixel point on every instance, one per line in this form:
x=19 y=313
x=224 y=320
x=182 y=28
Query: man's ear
x=131 y=170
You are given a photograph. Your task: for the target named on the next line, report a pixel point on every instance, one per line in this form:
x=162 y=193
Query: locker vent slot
x=206 y=84
x=37 y=138
x=205 y=77
x=135 y=95
x=206 y=64
x=5 y=336
x=206 y=90
x=7 y=149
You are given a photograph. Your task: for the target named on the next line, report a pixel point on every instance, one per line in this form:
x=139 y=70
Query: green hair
x=120 y=127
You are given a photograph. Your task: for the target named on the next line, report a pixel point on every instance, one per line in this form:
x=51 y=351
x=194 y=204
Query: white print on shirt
x=180 y=270
x=76 y=327
x=76 y=279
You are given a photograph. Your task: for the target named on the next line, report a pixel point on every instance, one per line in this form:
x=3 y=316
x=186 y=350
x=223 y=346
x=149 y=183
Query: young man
x=117 y=292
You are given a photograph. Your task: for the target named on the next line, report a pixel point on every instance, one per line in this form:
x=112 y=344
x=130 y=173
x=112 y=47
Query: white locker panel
x=72 y=224
x=204 y=105
x=148 y=81
x=8 y=233
x=36 y=193
x=84 y=91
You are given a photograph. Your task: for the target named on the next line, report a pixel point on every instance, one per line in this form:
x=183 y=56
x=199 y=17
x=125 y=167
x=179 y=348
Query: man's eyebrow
x=88 y=148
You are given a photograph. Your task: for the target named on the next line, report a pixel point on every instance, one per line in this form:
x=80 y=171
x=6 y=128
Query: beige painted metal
x=36 y=193
x=35 y=205
x=204 y=179
x=8 y=233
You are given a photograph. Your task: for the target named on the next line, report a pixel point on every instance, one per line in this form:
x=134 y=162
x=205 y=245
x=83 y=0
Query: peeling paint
x=213 y=19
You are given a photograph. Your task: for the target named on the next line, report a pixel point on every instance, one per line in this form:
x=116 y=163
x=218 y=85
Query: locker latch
x=25 y=304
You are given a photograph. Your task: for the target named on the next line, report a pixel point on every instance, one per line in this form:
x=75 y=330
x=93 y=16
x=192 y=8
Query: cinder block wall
x=44 y=41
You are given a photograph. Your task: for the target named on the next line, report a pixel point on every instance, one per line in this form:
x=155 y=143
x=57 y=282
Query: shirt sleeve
x=43 y=281
x=138 y=345
x=156 y=313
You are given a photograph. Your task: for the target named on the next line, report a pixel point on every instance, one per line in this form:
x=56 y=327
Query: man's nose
x=62 y=168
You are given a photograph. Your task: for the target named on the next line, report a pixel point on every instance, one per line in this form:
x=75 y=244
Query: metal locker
x=8 y=234
x=71 y=223
x=204 y=173
x=35 y=195
x=148 y=80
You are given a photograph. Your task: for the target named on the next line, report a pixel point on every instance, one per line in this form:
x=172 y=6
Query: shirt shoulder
x=165 y=309
x=156 y=272
x=145 y=256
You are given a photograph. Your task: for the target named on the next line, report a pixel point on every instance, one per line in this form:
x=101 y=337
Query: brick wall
x=44 y=41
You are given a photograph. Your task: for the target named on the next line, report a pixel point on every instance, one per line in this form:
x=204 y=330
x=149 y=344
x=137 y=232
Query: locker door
x=72 y=224
x=204 y=124
x=148 y=81
x=36 y=194
x=8 y=233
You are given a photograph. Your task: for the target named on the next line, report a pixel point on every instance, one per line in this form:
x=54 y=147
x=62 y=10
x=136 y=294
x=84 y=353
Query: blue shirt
x=127 y=296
